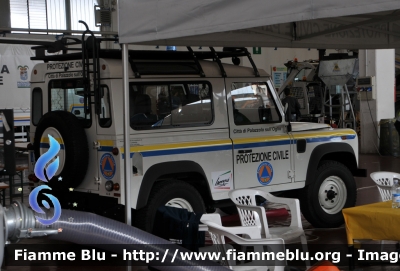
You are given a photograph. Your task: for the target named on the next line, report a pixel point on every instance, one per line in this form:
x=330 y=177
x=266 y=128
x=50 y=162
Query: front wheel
x=323 y=200
x=177 y=194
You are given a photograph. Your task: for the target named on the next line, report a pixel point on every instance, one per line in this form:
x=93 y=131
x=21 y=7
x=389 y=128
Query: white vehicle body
x=202 y=141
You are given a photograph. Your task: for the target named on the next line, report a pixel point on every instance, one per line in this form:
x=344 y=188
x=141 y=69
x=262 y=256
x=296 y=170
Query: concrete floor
x=367 y=193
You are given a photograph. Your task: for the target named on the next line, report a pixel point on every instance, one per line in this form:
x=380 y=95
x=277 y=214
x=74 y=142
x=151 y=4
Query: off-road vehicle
x=199 y=128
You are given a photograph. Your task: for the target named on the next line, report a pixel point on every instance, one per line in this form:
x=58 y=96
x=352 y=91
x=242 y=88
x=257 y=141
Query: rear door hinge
x=96 y=145
x=97 y=180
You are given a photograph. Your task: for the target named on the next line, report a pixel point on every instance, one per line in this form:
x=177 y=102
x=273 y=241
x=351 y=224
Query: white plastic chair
x=253 y=215
x=219 y=232
x=384 y=182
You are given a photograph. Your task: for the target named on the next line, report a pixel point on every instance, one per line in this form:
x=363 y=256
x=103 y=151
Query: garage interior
x=279 y=42
x=367 y=193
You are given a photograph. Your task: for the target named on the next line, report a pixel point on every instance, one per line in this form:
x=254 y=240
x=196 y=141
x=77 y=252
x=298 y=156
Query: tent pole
x=127 y=160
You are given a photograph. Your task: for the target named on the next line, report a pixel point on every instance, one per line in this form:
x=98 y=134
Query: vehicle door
x=68 y=95
x=106 y=162
x=261 y=145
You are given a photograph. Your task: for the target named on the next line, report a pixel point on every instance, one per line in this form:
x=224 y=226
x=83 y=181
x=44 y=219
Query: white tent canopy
x=339 y=24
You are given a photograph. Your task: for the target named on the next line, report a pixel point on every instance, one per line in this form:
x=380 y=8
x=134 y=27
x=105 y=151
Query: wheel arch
x=340 y=152
x=188 y=171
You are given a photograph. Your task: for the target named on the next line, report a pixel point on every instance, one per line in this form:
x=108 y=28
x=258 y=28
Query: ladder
x=91 y=70
x=345 y=116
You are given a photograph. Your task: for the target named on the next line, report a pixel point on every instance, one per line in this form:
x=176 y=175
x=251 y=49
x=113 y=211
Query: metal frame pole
x=67 y=16
x=127 y=160
x=351 y=107
x=342 y=105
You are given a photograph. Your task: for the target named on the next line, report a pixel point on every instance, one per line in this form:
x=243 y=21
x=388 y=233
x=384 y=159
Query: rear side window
x=68 y=95
x=172 y=104
x=253 y=103
x=37 y=105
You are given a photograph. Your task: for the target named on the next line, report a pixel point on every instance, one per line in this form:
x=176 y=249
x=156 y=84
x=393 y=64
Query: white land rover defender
x=199 y=128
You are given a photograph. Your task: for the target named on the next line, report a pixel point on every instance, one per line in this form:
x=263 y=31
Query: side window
x=105 y=115
x=170 y=105
x=37 y=105
x=68 y=95
x=253 y=103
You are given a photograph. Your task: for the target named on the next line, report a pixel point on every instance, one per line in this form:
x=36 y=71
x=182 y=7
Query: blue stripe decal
x=47 y=146
x=350 y=136
x=187 y=150
x=123 y=155
x=229 y=147
x=332 y=138
x=20 y=120
x=106 y=148
x=262 y=144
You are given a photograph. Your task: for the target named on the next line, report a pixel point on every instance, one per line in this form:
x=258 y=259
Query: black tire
x=75 y=153
x=397 y=109
x=162 y=193
x=338 y=190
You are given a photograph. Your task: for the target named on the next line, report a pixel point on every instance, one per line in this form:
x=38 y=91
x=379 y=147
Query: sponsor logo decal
x=222 y=180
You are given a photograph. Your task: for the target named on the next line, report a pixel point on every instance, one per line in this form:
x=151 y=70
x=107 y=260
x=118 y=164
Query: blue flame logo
x=45 y=174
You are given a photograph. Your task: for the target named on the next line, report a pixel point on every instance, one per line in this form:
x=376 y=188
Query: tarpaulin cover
x=247 y=23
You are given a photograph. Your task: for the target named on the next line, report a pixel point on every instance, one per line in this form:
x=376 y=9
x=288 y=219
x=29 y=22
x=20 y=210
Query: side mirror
x=264 y=114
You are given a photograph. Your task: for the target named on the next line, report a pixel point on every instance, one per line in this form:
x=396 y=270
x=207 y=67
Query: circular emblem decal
x=265 y=173
x=107 y=166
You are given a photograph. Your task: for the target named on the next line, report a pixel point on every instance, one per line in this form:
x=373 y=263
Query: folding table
x=376 y=221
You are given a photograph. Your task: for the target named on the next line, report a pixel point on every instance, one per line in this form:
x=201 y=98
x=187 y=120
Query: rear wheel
x=397 y=109
x=177 y=194
x=323 y=200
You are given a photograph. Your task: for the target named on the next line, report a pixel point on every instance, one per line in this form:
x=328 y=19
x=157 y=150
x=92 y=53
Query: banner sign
x=15 y=72
x=278 y=75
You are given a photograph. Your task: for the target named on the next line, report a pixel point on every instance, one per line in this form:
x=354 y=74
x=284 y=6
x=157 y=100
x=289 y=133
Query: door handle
x=245 y=151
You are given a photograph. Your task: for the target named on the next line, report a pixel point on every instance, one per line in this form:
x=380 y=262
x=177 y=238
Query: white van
x=198 y=130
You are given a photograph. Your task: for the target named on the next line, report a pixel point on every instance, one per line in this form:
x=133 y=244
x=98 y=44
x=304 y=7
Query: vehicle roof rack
x=146 y=62
x=54 y=47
